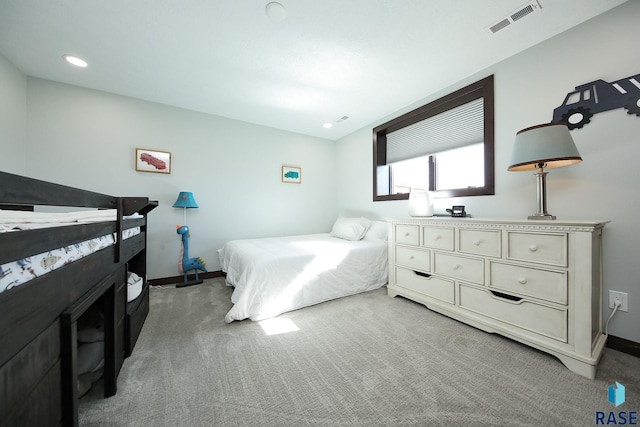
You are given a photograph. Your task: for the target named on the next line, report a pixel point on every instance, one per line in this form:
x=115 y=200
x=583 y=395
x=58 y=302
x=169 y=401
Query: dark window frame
x=480 y=89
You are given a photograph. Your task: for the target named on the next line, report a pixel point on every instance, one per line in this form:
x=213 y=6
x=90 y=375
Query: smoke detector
x=275 y=11
x=524 y=10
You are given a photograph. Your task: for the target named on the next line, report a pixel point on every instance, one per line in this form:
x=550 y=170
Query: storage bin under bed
x=137 y=311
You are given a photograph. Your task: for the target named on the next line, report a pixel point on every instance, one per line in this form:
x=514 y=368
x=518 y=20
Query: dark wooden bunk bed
x=38 y=319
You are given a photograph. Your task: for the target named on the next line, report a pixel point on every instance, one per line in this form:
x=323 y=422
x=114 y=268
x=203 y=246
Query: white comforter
x=275 y=275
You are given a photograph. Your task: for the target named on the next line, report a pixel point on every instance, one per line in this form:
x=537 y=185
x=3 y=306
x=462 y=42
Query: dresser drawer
x=479 y=242
x=544 y=248
x=538 y=283
x=437 y=237
x=408 y=234
x=541 y=319
x=457 y=267
x=413 y=258
x=431 y=286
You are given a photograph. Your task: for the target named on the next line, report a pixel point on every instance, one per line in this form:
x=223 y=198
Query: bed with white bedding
x=22 y=270
x=275 y=275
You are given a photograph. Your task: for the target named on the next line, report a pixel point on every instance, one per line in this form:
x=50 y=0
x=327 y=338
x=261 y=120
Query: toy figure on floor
x=186 y=264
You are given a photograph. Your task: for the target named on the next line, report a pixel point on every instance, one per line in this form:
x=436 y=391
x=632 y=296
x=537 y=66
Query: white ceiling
x=328 y=58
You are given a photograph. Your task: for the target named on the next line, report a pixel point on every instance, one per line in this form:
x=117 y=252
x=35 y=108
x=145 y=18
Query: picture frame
x=153 y=161
x=291 y=174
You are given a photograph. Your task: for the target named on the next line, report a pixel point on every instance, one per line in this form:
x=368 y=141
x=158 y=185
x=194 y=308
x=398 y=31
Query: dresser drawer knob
x=437 y=238
x=456 y=267
x=533 y=248
x=477 y=243
x=522 y=281
x=411 y=257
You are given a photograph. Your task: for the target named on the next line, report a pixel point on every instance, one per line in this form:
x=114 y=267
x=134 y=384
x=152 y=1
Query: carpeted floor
x=364 y=360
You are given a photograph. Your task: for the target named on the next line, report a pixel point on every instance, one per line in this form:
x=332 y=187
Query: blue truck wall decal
x=291 y=175
x=598 y=96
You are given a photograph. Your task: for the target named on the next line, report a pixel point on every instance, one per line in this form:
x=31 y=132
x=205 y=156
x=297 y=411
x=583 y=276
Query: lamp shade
x=550 y=144
x=185 y=200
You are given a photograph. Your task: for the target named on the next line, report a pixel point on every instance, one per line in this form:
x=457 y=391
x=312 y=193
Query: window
x=445 y=146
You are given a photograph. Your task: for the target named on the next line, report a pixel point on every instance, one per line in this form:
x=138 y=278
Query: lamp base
x=189 y=283
x=541 y=195
x=542 y=216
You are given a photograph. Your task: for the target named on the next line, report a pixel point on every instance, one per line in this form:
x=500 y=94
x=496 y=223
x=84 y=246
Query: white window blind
x=458 y=127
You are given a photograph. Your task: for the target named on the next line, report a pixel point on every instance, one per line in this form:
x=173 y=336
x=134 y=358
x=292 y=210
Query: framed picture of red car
x=153 y=161
x=291 y=174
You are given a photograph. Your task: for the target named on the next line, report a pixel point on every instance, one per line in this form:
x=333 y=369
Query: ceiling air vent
x=514 y=16
x=500 y=25
x=522 y=12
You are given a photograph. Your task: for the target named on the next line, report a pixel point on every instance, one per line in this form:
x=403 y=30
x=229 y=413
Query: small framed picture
x=153 y=161
x=291 y=174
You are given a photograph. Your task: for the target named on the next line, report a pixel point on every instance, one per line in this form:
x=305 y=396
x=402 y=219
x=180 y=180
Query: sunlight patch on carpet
x=278 y=325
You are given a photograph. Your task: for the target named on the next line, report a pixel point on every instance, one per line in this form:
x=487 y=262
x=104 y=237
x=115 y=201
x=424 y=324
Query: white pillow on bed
x=350 y=228
x=377 y=231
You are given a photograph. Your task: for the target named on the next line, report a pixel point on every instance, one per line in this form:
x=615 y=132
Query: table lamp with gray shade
x=542 y=147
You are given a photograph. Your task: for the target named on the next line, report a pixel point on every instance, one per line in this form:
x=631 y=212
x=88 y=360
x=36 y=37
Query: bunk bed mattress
x=20 y=271
x=272 y=276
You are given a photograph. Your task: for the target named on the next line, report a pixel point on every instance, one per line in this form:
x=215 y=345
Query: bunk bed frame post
x=69 y=345
x=119 y=236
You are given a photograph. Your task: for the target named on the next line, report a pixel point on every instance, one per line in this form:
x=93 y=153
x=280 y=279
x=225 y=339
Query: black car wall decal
x=598 y=96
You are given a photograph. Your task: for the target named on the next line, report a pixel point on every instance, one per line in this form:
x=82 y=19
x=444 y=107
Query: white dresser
x=537 y=282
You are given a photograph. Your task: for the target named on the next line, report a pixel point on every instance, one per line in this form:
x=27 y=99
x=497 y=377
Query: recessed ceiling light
x=75 y=61
x=328 y=125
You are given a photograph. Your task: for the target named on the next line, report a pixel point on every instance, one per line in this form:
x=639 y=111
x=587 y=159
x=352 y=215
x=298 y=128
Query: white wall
x=87 y=139
x=528 y=87
x=13 y=118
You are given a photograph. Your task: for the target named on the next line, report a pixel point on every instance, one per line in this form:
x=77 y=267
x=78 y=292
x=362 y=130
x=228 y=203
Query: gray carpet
x=364 y=360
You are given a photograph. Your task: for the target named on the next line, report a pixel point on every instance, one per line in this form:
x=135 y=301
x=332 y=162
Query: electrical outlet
x=622 y=297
